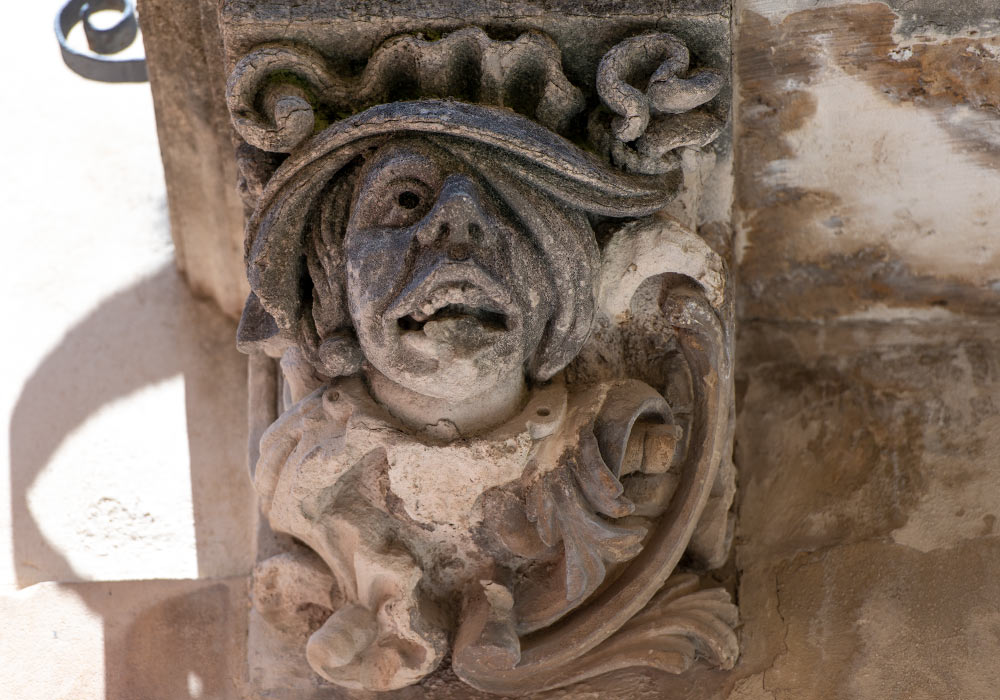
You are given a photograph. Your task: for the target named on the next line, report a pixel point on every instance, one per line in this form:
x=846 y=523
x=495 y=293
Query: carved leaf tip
x=566 y=511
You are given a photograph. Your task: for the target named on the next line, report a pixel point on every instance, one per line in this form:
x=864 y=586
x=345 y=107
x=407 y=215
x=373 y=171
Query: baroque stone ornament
x=504 y=430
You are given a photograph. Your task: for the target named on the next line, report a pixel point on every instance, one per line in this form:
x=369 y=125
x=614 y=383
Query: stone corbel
x=501 y=429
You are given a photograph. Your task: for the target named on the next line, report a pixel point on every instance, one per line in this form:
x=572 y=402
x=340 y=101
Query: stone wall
x=866 y=245
x=867 y=222
x=184 y=51
x=868 y=162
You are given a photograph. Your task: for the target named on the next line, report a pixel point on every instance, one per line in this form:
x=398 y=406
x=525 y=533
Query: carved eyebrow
x=400 y=163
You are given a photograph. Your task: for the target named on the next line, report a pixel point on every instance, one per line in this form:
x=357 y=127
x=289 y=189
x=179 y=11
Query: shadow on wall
x=140 y=336
x=181 y=645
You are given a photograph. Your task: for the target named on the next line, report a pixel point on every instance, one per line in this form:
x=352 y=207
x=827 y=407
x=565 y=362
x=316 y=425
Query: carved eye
x=403 y=203
x=409 y=200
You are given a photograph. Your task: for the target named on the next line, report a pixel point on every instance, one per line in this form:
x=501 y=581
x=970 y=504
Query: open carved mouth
x=490 y=320
x=459 y=314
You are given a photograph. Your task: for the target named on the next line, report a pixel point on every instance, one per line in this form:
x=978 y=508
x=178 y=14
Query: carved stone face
x=447 y=291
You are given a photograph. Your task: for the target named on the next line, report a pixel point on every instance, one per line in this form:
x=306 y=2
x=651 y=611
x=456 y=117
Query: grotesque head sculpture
x=416 y=261
x=447 y=288
x=458 y=261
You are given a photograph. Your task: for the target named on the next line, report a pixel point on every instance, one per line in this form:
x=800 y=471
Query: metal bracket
x=97 y=66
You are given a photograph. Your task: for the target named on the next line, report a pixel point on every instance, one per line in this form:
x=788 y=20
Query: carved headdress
x=531 y=169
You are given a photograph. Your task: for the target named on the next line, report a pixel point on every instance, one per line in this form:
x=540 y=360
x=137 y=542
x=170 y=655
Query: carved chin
x=454 y=356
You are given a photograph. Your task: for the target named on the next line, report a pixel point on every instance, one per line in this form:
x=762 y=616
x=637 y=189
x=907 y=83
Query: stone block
x=184 y=56
x=862 y=432
x=121 y=476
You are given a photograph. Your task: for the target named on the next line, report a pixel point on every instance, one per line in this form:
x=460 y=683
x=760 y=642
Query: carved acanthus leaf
x=680 y=625
x=566 y=505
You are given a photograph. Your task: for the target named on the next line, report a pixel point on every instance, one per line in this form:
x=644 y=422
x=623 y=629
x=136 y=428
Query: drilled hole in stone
x=543 y=412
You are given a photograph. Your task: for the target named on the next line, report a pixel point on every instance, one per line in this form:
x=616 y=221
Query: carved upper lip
x=453 y=289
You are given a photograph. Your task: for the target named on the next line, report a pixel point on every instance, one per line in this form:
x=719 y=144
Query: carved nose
x=457 y=219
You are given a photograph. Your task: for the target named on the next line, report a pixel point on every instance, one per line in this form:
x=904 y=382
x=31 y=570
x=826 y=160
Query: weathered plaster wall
x=867 y=218
x=868 y=164
x=867 y=543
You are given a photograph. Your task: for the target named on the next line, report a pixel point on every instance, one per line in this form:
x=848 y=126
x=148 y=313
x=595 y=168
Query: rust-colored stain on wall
x=908 y=224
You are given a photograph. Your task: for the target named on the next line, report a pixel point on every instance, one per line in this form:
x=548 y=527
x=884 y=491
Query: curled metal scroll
x=102 y=42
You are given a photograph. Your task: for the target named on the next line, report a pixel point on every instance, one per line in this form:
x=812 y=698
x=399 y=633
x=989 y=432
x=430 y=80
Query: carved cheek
x=376 y=260
x=530 y=283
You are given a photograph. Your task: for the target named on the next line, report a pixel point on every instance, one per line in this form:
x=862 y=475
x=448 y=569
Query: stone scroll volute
x=502 y=437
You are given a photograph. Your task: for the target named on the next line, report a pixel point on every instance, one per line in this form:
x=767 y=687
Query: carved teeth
x=442 y=297
x=439 y=299
x=456 y=300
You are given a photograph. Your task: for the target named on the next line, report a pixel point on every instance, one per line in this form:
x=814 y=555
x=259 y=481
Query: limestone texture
x=865 y=256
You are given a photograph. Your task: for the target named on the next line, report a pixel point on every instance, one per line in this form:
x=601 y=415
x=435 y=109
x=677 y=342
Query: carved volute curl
x=476 y=443
x=661 y=119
